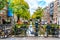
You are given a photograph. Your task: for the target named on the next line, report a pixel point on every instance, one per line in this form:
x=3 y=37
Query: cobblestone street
x=31 y=38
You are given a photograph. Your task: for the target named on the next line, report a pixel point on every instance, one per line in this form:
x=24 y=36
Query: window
x=57 y=3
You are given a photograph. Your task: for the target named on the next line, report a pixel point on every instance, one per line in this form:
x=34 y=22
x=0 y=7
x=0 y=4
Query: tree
x=20 y=8
x=26 y=15
x=38 y=13
x=3 y=4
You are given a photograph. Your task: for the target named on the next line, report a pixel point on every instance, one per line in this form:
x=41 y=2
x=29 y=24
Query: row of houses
x=52 y=12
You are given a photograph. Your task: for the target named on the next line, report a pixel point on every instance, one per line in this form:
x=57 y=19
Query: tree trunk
x=18 y=19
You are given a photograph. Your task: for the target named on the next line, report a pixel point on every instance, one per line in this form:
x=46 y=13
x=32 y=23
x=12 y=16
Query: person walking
x=30 y=31
x=48 y=28
x=53 y=29
x=36 y=28
x=57 y=32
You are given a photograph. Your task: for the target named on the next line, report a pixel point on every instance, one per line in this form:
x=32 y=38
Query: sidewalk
x=31 y=38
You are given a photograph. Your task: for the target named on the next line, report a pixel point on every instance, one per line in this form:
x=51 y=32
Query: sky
x=34 y=4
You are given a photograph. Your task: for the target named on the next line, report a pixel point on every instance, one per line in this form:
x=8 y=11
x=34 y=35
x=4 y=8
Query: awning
x=10 y=13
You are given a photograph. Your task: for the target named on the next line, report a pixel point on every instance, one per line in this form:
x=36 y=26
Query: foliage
x=38 y=13
x=54 y=25
x=3 y=4
x=20 y=8
x=26 y=15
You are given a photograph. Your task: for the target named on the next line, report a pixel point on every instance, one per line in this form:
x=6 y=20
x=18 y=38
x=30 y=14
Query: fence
x=5 y=31
x=41 y=31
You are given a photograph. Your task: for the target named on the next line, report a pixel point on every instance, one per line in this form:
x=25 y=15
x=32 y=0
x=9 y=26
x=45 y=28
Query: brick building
x=46 y=16
x=52 y=12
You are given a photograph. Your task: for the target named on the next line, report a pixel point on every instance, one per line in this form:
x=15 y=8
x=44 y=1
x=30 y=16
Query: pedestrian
x=30 y=30
x=36 y=28
x=53 y=29
x=48 y=28
x=57 y=32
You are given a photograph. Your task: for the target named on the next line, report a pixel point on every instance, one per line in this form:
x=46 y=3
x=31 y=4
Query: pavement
x=31 y=38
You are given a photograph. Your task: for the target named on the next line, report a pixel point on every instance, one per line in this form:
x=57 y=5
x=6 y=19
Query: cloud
x=33 y=4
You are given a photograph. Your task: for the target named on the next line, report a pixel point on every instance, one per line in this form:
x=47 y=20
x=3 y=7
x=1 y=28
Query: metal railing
x=5 y=30
x=24 y=30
